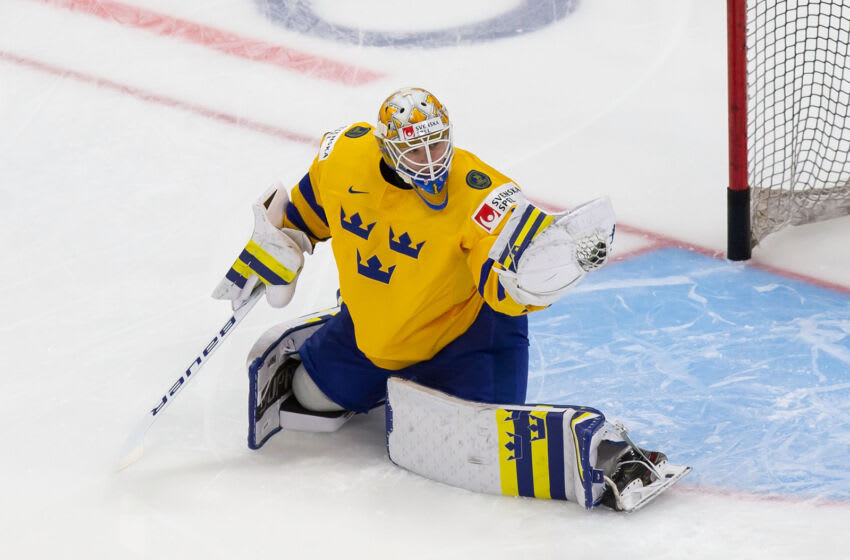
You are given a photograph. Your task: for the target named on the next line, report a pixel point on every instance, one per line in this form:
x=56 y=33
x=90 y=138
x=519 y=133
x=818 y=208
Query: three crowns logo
x=533 y=428
x=372 y=269
x=404 y=245
x=354 y=224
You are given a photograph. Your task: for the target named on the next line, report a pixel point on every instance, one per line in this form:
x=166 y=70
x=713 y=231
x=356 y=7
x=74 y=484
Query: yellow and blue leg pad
x=255 y=260
x=532 y=221
x=532 y=455
x=536 y=451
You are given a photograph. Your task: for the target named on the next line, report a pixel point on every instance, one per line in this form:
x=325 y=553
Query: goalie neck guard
x=415 y=138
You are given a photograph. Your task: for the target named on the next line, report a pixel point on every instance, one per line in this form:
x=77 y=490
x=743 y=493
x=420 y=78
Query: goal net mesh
x=798 y=133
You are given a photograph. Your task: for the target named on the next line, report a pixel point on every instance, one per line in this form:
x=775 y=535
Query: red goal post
x=789 y=116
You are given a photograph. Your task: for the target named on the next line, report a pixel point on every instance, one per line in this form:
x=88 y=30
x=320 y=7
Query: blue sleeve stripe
x=485 y=273
x=306 y=188
x=264 y=272
x=294 y=216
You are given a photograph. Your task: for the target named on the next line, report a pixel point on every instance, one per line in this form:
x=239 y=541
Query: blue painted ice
x=743 y=374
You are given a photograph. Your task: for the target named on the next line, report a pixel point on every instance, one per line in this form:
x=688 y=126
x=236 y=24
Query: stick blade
x=130 y=457
x=134 y=447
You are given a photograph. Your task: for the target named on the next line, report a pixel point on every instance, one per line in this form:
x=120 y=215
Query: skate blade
x=636 y=498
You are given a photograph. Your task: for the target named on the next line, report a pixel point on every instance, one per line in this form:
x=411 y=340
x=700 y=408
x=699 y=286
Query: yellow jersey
x=413 y=278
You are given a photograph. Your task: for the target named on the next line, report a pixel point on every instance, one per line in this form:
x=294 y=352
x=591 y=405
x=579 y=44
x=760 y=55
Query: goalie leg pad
x=520 y=450
x=271 y=403
x=535 y=451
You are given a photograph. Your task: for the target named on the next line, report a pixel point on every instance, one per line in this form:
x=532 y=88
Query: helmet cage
x=423 y=162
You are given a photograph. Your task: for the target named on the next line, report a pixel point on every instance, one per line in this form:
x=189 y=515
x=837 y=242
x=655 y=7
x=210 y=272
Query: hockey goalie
x=440 y=259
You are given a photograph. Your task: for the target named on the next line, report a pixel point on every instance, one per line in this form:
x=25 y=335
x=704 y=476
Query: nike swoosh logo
x=352 y=191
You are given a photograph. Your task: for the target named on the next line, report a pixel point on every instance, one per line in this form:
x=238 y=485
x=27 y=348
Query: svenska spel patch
x=493 y=209
x=423 y=128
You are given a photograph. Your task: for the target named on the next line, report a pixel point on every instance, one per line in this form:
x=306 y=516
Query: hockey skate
x=637 y=476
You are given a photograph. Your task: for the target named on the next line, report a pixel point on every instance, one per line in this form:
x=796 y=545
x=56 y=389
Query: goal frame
x=739 y=227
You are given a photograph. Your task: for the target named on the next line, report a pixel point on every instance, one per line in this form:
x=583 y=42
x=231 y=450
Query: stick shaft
x=134 y=446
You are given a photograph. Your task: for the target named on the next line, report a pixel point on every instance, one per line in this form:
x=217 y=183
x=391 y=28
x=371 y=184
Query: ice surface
x=715 y=361
x=126 y=181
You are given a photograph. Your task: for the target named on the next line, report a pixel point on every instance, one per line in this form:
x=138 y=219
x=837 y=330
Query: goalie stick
x=134 y=447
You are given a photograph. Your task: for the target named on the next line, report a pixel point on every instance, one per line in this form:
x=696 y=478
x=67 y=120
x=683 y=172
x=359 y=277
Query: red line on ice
x=159 y=99
x=757 y=497
x=660 y=241
x=222 y=41
x=657 y=240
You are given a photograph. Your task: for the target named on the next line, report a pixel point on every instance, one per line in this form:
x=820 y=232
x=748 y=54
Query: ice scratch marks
x=827 y=334
x=622 y=302
x=731 y=380
x=744 y=374
x=773 y=287
x=719 y=319
x=633 y=283
x=799 y=395
x=692 y=294
x=767 y=288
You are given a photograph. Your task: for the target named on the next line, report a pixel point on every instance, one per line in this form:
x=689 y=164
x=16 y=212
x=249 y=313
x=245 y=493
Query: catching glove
x=566 y=246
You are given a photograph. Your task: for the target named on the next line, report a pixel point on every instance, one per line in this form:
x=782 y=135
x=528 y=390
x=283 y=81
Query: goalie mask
x=415 y=137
